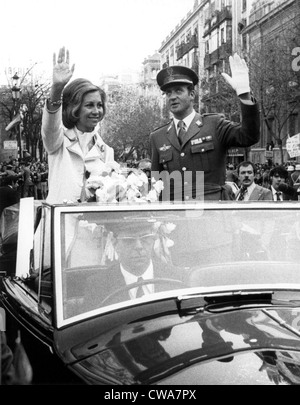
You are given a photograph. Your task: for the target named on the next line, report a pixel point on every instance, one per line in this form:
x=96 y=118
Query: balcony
x=225 y=50
x=184 y=48
x=206 y=30
x=225 y=14
x=207 y=61
x=215 y=57
x=217 y=18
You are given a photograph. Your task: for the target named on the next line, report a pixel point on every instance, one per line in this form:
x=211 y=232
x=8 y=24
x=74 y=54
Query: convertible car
x=219 y=302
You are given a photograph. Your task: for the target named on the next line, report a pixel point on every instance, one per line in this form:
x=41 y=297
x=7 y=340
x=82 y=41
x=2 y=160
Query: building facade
x=204 y=40
x=269 y=37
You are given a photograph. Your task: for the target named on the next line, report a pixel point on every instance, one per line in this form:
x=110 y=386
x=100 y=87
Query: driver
x=134 y=246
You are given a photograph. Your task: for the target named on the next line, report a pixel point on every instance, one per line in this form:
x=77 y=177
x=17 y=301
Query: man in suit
x=250 y=191
x=8 y=192
x=136 y=267
x=281 y=191
x=192 y=143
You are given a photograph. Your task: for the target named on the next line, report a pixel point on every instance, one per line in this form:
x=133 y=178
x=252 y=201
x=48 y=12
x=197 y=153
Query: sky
x=103 y=36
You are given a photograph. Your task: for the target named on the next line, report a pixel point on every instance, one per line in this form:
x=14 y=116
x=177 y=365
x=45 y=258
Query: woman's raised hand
x=62 y=72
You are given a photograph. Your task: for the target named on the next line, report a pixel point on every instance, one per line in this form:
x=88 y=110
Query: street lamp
x=16 y=93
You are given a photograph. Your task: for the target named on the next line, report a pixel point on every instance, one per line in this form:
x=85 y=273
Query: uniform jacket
x=111 y=279
x=205 y=148
x=67 y=165
x=260 y=194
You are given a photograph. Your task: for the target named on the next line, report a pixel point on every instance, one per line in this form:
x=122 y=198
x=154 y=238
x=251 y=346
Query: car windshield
x=110 y=258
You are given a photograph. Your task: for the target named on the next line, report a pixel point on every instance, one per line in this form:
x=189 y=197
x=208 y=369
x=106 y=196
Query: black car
x=224 y=309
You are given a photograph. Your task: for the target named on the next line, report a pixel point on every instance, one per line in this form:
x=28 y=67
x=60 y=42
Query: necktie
x=243 y=191
x=181 y=132
x=278 y=194
x=140 y=291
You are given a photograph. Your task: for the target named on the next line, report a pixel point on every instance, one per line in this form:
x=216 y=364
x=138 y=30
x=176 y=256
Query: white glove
x=240 y=75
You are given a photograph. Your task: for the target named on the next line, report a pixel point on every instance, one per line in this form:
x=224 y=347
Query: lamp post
x=16 y=94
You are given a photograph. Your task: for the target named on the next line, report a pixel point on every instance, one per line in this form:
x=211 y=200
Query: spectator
x=27 y=189
x=33 y=188
x=295 y=177
x=8 y=192
x=231 y=174
x=44 y=182
x=250 y=191
x=281 y=191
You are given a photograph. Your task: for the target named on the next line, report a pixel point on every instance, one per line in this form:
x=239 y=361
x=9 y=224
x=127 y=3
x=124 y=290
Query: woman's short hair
x=73 y=95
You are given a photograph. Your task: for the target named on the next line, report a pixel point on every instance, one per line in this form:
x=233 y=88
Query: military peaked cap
x=176 y=75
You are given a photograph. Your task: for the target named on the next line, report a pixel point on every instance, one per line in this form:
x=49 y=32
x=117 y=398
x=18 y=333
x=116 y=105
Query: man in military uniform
x=193 y=146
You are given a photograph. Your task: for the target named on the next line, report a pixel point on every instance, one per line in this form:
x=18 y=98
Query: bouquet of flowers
x=163 y=242
x=116 y=184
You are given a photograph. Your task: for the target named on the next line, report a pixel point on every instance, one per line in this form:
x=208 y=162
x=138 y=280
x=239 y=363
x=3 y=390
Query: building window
x=244 y=43
x=244 y=8
x=188 y=35
x=212 y=6
x=206 y=46
x=222 y=36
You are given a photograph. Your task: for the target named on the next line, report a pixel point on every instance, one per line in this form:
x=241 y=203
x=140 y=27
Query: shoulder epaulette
x=162 y=126
x=210 y=114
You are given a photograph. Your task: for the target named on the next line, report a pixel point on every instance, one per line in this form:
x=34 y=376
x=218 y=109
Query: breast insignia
x=164 y=148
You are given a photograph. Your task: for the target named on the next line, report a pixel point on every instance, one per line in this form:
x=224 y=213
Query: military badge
x=164 y=148
x=170 y=74
x=199 y=123
x=196 y=141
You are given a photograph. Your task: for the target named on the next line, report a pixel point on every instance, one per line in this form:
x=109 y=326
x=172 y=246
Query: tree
x=129 y=121
x=33 y=98
x=30 y=105
x=221 y=98
x=273 y=80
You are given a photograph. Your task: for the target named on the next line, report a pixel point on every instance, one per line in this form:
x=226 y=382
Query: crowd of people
x=282 y=180
x=29 y=177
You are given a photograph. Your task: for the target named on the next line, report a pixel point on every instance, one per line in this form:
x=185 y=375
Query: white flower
x=102 y=195
x=133 y=194
x=119 y=185
x=169 y=227
x=94 y=182
x=158 y=185
x=152 y=196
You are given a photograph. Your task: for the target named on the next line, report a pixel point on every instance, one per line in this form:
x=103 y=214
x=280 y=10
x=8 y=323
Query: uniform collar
x=187 y=120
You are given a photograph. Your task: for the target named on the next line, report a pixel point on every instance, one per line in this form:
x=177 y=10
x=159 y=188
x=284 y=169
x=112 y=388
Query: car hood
x=242 y=346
